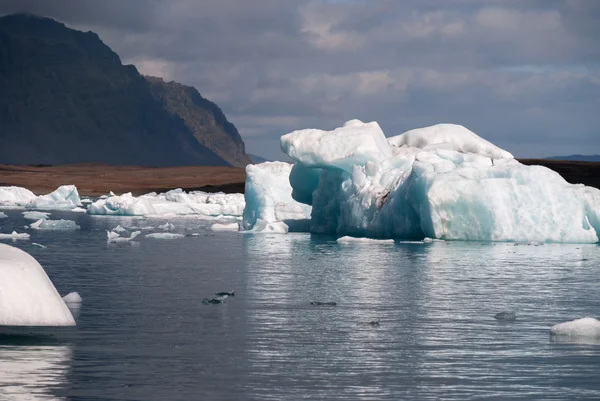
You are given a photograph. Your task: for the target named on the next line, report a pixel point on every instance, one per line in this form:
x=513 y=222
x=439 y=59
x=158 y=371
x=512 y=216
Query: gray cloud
x=525 y=75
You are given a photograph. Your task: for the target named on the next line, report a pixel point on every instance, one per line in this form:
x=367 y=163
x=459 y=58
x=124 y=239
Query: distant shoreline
x=100 y=179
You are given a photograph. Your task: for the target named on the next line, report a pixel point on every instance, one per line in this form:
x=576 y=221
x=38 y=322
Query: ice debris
x=585 y=327
x=225 y=227
x=15 y=236
x=33 y=215
x=113 y=236
x=165 y=236
x=27 y=296
x=441 y=182
x=3 y=215
x=43 y=224
x=39 y=245
x=64 y=197
x=175 y=202
x=349 y=240
x=166 y=227
x=72 y=298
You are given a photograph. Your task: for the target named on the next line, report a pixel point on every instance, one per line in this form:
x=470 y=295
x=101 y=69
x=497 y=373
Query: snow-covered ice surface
x=15 y=236
x=27 y=296
x=175 y=203
x=72 y=298
x=33 y=215
x=64 y=197
x=441 y=182
x=43 y=224
x=225 y=227
x=269 y=203
x=585 y=327
x=165 y=236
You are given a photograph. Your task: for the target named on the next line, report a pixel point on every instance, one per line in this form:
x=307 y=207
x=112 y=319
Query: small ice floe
x=3 y=215
x=165 y=236
x=506 y=316
x=43 y=224
x=167 y=227
x=348 y=239
x=119 y=229
x=39 y=245
x=72 y=298
x=15 y=236
x=428 y=240
x=113 y=237
x=225 y=227
x=320 y=303
x=79 y=210
x=33 y=215
x=587 y=327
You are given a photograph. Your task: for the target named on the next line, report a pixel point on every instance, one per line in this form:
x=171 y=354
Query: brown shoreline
x=99 y=179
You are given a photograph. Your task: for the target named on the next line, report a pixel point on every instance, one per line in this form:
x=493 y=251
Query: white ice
x=64 y=197
x=43 y=224
x=225 y=227
x=165 y=236
x=119 y=229
x=585 y=327
x=441 y=182
x=349 y=240
x=114 y=236
x=72 y=298
x=166 y=227
x=27 y=296
x=3 y=215
x=79 y=210
x=15 y=236
x=175 y=202
x=269 y=203
x=36 y=215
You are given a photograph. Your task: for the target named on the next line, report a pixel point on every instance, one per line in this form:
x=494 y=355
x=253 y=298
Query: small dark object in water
x=226 y=294
x=374 y=323
x=505 y=316
x=207 y=301
x=319 y=303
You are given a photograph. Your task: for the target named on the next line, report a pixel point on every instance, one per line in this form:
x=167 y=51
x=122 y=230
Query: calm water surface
x=144 y=334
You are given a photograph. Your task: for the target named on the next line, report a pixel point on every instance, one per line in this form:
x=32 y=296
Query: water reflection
x=32 y=372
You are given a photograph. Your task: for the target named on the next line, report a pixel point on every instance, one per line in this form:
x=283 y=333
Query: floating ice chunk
x=351 y=240
x=449 y=136
x=39 y=245
x=65 y=197
x=15 y=196
x=166 y=227
x=225 y=227
x=36 y=215
x=79 y=210
x=113 y=236
x=585 y=327
x=14 y=236
x=268 y=196
x=356 y=143
x=119 y=229
x=3 y=215
x=165 y=236
x=428 y=240
x=72 y=298
x=264 y=227
x=43 y=224
x=27 y=296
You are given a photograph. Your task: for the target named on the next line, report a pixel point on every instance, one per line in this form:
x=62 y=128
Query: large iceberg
x=64 y=197
x=442 y=182
x=270 y=206
x=175 y=202
x=27 y=296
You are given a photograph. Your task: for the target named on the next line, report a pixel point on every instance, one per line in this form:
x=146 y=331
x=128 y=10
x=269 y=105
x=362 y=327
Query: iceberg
x=225 y=227
x=440 y=182
x=165 y=236
x=15 y=236
x=36 y=215
x=72 y=298
x=27 y=296
x=268 y=197
x=586 y=327
x=114 y=236
x=43 y=224
x=64 y=197
x=175 y=202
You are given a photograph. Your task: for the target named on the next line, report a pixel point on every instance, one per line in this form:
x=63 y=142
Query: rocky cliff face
x=65 y=97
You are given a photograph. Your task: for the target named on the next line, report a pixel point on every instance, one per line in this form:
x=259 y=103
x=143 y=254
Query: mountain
x=258 y=159
x=66 y=98
x=581 y=158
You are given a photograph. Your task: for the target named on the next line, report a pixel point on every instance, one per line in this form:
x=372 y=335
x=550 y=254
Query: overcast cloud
x=522 y=74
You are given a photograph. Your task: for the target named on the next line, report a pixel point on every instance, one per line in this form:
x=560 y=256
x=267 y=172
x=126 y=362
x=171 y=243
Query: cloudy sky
x=524 y=74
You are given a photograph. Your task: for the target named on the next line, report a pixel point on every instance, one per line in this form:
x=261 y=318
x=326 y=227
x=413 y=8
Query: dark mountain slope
x=65 y=97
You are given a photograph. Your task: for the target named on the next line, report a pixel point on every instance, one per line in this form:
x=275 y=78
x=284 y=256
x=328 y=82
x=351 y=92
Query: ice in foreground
x=113 y=236
x=43 y=224
x=441 y=182
x=64 y=197
x=36 y=215
x=14 y=236
x=3 y=215
x=72 y=298
x=165 y=236
x=175 y=202
x=586 y=327
x=27 y=296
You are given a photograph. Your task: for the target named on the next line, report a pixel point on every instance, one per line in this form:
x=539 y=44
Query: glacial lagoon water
x=144 y=334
